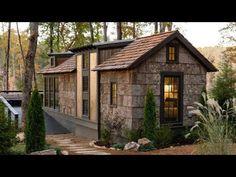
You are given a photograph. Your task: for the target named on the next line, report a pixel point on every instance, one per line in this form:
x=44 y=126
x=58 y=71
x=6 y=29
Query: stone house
x=87 y=84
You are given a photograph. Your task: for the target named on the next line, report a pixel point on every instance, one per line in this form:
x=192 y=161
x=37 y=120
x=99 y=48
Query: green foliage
x=147 y=147
x=7 y=132
x=179 y=136
x=150 y=120
x=224 y=86
x=119 y=146
x=18 y=149
x=134 y=134
x=214 y=128
x=164 y=136
x=106 y=136
x=35 y=127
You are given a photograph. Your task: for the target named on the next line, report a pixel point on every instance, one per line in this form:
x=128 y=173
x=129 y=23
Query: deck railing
x=11 y=112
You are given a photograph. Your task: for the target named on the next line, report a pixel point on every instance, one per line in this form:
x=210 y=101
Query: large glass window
x=56 y=93
x=85 y=107
x=46 y=92
x=171 y=99
x=85 y=83
x=51 y=92
x=113 y=93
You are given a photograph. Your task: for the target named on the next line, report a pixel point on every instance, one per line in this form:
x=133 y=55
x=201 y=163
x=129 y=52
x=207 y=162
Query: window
x=85 y=83
x=172 y=53
x=46 y=92
x=85 y=108
x=53 y=61
x=56 y=93
x=86 y=60
x=171 y=99
x=51 y=92
x=113 y=93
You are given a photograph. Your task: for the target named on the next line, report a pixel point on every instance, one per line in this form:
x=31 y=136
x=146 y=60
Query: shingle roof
x=67 y=66
x=143 y=47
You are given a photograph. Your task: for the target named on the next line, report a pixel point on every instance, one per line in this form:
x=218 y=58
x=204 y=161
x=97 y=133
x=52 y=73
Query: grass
x=18 y=149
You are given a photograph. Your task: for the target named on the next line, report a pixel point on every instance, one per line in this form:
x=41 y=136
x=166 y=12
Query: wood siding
x=79 y=85
x=104 y=54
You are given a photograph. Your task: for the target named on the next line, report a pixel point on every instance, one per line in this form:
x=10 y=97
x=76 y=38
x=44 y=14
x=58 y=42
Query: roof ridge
x=158 y=34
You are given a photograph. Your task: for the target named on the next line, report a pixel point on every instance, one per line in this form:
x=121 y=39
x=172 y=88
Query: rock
x=45 y=152
x=143 y=141
x=64 y=152
x=132 y=146
x=20 y=136
x=112 y=148
x=92 y=143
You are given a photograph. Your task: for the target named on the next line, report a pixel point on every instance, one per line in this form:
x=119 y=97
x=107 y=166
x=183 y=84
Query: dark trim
x=61 y=55
x=176 y=46
x=181 y=92
x=113 y=105
x=98 y=98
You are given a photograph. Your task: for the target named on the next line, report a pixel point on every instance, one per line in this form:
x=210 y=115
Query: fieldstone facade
x=67 y=93
x=132 y=86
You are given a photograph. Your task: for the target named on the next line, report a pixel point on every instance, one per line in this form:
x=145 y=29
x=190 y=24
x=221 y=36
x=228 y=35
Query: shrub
x=147 y=147
x=119 y=146
x=164 y=136
x=7 y=132
x=179 y=136
x=214 y=128
x=150 y=121
x=35 y=125
x=106 y=136
x=134 y=134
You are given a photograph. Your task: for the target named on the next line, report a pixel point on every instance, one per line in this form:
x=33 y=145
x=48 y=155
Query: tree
x=35 y=128
x=91 y=32
x=150 y=121
x=7 y=131
x=224 y=86
x=29 y=70
x=105 y=31
x=134 y=30
x=155 y=27
x=119 y=30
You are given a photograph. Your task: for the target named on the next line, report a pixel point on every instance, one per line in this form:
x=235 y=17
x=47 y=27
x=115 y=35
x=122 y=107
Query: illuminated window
x=171 y=99
x=113 y=93
x=172 y=53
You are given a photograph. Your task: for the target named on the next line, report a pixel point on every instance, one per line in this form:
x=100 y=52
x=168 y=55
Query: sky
x=200 y=34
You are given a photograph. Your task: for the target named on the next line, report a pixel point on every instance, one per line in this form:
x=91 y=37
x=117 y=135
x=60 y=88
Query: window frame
x=176 y=54
x=111 y=94
x=52 y=61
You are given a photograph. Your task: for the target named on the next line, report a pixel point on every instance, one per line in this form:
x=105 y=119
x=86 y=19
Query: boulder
x=92 y=143
x=132 y=146
x=20 y=136
x=143 y=141
x=45 y=152
x=64 y=152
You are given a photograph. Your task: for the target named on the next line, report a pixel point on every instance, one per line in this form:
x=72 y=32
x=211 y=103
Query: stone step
x=91 y=153
x=79 y=149
x=69 y=145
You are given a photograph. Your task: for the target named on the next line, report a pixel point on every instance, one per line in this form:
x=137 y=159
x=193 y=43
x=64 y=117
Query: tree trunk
x=51 y=36
x=91 y=32
x=119 y=31
x=162 y=27
x=58 y=37
x=21 y=48
x=105 y=31
x=155 y=27
x=169 y=26
x=134 y=30
x=29 y=70
x=8 y=55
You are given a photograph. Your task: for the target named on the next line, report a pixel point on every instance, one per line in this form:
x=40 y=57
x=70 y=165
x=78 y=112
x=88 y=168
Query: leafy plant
x=35 y=127
x=150 y=120
x=134 y=134
x=106 y=136
x=147 y=147
x=7 y=132
x=119 y=146
x=215 y=130
x=164 y=136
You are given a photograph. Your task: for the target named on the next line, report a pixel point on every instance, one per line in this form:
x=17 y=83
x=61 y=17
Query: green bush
x=179 y=136
x=7 y=132
x=35 y=125
x=164 y=136
x=150 y=120
x=119 y=146
x=147 y=147
x=134 y=134
x=106 y=136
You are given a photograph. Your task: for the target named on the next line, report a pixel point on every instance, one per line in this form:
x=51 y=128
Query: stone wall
x=132 y=86
x=67 y=93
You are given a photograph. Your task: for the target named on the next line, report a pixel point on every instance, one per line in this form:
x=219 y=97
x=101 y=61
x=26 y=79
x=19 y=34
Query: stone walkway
x=74 y=145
